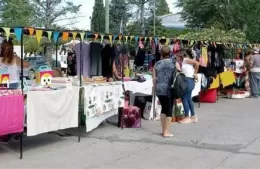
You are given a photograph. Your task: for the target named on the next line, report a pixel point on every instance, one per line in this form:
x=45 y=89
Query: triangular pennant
x=151 y=38
x=82 y=35
x=38 y=35
x=136 y=39
x=56 y=36
x=49 y=34
x=96 y=37
x=131 y=38
x=120 y=37
x=65 y=36
x=126 y=39
x=74 y=35
x=7 y=32
x=167 y=41
x=31 y=31
x=191 y=42
x=18 y=33
x=110 y=38
x=114 y=38
x=156 y=40
x=102 y=38
x=145 y=39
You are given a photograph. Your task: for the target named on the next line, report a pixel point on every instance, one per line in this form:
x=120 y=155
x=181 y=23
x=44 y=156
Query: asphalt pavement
x=226 y=137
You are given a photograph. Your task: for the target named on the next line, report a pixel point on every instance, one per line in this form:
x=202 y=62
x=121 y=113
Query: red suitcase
x=208 y=96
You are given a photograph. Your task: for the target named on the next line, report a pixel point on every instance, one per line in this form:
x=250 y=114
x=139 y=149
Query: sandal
x=168 y=135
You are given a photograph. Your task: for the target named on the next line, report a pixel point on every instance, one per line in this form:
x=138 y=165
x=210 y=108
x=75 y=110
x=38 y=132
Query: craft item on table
x=4 y=92
x=99 y=79
x=44 y=75
x=4 y=77
x=25 y=85
x=61 y=81
x=126 y=79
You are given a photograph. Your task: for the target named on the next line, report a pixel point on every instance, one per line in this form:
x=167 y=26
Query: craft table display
x=52 y=110
x=101 y=101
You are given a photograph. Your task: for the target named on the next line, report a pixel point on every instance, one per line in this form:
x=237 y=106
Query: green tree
x=119 y=16
x=98 y=17
x=226 y=15
x=161 y=8
x=16 y=13
x=49 y=12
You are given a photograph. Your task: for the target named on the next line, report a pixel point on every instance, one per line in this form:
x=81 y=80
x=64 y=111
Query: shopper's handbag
x=131 y=117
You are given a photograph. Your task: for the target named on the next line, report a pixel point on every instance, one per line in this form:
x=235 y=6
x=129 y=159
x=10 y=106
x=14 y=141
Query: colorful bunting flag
x=38 y=35
x=96 y=37
x=18 y=33
x=31 y=31
x=65 y=36
x=126 y=39
x=74 y=35
x=110 y=38
x=156 y=41
x=136 y=39
x=49 y=34
x=82 y=35
x=120 y=37
x=56 y=36
x=102 y=38
x=7 y=32
x=131 y=38
x=114 y=38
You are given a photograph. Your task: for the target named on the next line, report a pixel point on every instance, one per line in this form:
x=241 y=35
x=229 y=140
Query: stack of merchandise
x=62 y=81
x=95 y=79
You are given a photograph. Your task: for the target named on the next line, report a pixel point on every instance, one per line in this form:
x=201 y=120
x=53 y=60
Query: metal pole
x=107 y=16
x=154 y=16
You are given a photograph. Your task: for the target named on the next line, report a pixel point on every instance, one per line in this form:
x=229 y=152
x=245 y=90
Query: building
x=172 y=21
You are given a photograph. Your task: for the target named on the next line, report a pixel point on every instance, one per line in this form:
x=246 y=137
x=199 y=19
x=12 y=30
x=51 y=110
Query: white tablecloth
x=52 y=110
x=101 y=102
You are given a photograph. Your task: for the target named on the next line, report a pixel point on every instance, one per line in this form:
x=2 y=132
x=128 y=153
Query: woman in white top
x=12 y=62
x=190 y=68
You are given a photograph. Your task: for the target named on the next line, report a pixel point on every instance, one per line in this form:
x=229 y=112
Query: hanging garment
x=108 y=56
x=96 y=60
x=85 y=59
x=140 y=57
x=72 y=66
x=121 y=62
x=204 y=57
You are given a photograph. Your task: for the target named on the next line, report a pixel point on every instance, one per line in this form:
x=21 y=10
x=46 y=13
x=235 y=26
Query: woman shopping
x=162 y=80
x=190 y=69
x=12 y=62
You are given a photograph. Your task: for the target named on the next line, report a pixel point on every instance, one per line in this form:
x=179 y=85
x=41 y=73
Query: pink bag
x=131 y=117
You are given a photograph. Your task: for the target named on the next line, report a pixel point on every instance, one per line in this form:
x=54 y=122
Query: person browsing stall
x=190 y=68
x=9 y=60
x=162 y=80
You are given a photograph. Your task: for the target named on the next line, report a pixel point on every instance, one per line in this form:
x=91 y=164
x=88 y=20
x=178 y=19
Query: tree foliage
x=223 y=14
x=119 y=16
x=215 y=35
x=49 y=12
x=16 y=13
x=98 y=17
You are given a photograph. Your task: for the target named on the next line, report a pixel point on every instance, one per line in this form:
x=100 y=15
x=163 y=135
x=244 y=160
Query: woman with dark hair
x=12 y=62
x=162 y=80
x=190 y=68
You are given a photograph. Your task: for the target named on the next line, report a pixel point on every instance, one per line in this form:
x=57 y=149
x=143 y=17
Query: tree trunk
x=142 y=17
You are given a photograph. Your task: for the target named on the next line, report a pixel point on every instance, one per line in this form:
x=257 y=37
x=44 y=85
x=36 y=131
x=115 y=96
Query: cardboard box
x=44 y=75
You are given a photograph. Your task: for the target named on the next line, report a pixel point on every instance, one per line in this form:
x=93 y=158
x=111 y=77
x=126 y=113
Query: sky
x=87 y=9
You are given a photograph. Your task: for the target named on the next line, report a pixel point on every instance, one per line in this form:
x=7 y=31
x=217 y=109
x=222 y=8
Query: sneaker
x=194 y=119
x=185 y=121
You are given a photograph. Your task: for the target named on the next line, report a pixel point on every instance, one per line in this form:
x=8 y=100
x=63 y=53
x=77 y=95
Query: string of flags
x=65 y=35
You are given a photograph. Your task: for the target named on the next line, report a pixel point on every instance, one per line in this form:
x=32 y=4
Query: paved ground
x=226 y=137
